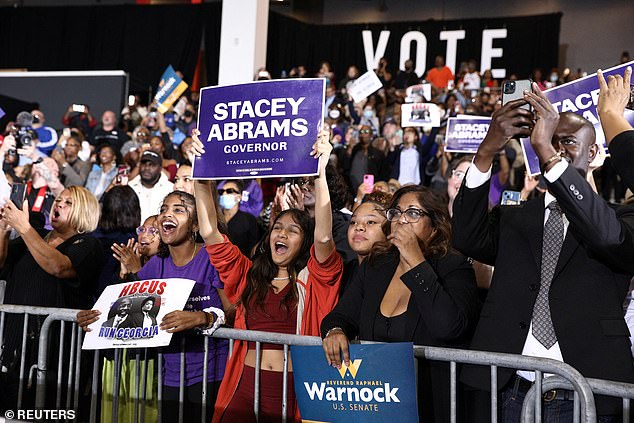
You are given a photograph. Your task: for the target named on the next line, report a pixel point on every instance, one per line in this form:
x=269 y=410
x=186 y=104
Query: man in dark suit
x=562 y=261
x=122 y=318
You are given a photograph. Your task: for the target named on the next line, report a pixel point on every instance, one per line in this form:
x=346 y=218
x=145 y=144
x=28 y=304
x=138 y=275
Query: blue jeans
x=556 y=411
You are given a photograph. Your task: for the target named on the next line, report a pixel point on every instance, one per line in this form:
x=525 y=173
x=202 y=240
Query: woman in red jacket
x=288 y=288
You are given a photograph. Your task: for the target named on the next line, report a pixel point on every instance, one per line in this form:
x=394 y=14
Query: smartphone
x=18 y=194
x=66 y=132
x=368 y=181
x=131 y=100
x=513 y=90
x=122 y=174
x=79 y=108
x=511 y=198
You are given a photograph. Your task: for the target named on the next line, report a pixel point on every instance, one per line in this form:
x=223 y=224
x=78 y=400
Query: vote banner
x=379 y=385
x=466 y=133
x=581 y=97
x=131 y=313
x=420 y=114
x=170 y=88
x=259 y=129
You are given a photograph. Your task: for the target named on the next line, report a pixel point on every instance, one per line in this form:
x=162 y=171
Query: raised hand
x=403 y=238
x=546 y=121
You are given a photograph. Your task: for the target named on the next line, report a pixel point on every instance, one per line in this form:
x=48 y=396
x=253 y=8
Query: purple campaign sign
x=259 y=129
x=464 y=135
x=581 y=96
x=530 y=157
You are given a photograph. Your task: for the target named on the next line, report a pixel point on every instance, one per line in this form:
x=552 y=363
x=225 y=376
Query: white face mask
x=227 y=201
x=368 y=113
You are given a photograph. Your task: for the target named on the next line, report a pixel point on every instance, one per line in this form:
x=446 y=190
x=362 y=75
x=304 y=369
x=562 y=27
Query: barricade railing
x=566 y=376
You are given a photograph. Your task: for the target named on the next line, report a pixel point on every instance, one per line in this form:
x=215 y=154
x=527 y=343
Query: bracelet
x=209 y=320
x=336 y=328
x=548 y=162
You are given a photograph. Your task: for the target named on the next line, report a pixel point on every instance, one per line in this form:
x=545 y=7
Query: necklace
x=282 y=279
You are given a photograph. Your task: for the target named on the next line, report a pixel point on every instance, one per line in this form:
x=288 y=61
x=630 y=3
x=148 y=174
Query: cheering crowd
x=394 y=240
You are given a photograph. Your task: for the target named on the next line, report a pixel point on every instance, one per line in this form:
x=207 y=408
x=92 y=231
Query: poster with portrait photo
x=420 y=114
x=131 y=313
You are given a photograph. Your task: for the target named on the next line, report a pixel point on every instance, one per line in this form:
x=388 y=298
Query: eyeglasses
x=365 y=131
x=412 y=215
x=142 y=134
x=228 y=191
x=458 y=174
x=150 y=230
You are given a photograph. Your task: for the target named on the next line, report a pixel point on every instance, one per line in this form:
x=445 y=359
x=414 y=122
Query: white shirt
x=629 y=313
x=151 y=198
x=532 y=347
x=409 y=170
x=471 y=81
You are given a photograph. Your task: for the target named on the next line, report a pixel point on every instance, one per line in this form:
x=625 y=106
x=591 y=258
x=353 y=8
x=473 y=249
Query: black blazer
x=588 y=288
x=442 y=311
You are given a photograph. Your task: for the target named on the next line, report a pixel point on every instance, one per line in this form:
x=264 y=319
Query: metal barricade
x=567 y=377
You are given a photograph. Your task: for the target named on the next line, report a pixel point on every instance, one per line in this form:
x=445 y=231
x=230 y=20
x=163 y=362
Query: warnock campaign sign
x=259 y=129
x=465 y=133
x=378 y=386
x=581 y=97
x=170 y=89
x=132 y=311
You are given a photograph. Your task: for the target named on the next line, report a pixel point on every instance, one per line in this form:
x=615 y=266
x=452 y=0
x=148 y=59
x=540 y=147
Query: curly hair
x=438 y=242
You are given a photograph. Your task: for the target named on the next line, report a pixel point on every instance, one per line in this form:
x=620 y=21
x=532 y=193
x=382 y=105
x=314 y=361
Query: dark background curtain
x=532 y=42
x=144 y=40
x=140 y=40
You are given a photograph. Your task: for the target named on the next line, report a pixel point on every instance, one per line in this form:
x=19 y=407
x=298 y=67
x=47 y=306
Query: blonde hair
x=84 y=216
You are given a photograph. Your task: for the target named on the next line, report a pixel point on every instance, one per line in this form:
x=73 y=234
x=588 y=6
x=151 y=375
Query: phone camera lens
x=509 y=87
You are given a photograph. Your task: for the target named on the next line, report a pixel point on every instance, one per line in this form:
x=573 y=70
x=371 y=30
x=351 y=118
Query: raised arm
x=205 y=200
x=324 y=242
x=613 y=97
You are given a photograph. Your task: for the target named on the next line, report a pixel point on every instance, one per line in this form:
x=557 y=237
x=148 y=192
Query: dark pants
x=511 y=399
x=192 y=406
x=240 y=409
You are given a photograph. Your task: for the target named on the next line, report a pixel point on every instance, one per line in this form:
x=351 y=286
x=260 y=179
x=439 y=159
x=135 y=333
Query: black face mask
x=188 y=114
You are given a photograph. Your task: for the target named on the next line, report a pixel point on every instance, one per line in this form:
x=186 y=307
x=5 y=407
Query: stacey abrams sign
x=259 y=129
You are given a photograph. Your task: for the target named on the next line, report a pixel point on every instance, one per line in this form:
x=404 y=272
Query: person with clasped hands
x=563 y=262
x=412 y=288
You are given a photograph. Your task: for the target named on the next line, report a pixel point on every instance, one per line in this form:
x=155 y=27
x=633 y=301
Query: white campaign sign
x=420 y=114
x=365 y=85
x=132 y=311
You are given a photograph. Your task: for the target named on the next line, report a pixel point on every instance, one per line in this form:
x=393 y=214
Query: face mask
x=368 y=113
x=227 y=201
x=334 y=114
x=554 y=77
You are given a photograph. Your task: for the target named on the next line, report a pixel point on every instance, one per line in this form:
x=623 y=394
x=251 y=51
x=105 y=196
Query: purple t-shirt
x=203 y=295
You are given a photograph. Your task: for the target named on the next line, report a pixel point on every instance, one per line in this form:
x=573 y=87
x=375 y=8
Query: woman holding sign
x=411 y=288
x=287 y=289
x=181 y=256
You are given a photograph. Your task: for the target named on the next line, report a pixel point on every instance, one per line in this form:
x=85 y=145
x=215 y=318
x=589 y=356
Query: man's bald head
x=575 y=138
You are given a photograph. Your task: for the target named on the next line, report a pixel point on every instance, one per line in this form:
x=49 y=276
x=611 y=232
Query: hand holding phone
x=18 y=195
x=368 y=182
x=514 y=90
x=79 y=108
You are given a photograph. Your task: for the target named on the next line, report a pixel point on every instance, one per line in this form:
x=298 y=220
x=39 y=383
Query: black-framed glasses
x=365 y=131
x=412 y=215
x=228 y=191
x=150 y=230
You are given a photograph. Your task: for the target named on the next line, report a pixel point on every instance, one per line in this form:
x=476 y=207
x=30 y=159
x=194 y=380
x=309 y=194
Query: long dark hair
x=263 y=270
x=438 y=243
x=120 y=210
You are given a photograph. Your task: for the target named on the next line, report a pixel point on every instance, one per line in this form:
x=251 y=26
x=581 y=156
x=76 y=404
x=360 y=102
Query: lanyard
x=39 y=200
